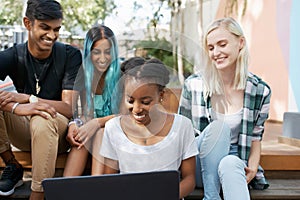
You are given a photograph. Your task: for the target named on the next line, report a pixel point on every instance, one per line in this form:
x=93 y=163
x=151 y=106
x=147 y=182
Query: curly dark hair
x=152 y=70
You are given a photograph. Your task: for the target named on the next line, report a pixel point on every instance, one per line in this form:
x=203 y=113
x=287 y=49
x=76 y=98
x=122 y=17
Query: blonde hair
x=213 y=82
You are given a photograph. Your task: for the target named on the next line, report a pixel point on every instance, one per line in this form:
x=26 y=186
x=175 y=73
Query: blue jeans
x=218 y=165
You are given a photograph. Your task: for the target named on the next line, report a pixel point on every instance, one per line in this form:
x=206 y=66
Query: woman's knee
x=217 y=130
x=230 y=164
x=215 y=137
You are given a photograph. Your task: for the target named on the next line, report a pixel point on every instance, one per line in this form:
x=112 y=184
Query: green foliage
x=159 y=48
x=162 y=50
x=78 y=14
x=83 y=14
x=188 y=68
x=11 y=12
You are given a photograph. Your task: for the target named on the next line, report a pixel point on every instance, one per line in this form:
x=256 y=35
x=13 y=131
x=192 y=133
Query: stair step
x=282 y=174
x=274 y=156
x=280 y=161
x=280 y=189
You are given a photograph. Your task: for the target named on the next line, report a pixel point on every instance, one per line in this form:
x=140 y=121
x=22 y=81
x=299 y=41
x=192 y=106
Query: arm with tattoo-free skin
x=188 y=180
x=253 y=161
x=64 y=107
x=110 y=166
x=78 y=136
x=254 y=157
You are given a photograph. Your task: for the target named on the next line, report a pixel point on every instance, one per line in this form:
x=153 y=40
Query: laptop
x=291 y=125
x=159 y=185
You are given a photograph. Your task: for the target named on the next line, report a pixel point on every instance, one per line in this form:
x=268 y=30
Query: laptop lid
x=160 y=185
x=291 y=125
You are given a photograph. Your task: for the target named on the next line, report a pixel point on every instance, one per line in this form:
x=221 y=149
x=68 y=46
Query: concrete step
x=280 y=189
x=280 y=161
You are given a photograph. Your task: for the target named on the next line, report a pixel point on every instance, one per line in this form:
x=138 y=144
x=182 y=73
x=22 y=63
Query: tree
x=161 y=49
x=83 y=14
x=78 y=14
x=11 y=12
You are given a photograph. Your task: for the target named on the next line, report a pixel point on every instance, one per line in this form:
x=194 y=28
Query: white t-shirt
x=233 y=121
x=167 y=154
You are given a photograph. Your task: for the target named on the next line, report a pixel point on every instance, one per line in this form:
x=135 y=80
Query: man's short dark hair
x=43 y=10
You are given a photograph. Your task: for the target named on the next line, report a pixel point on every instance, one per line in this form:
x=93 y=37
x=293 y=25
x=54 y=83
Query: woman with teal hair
x=101 y=72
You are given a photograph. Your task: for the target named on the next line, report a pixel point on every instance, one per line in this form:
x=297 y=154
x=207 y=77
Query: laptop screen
x=159 y=185
x=291 y=126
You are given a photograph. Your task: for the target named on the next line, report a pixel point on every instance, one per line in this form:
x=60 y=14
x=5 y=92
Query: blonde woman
x=228 y=107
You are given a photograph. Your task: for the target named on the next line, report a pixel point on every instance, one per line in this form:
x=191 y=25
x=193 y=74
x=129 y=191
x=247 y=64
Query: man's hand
x=8 y=97
x=38 y=108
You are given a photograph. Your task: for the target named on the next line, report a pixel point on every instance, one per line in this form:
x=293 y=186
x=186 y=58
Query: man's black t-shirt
x=53 y=76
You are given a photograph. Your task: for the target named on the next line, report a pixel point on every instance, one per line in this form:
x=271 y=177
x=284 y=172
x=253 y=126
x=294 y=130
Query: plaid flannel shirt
x=255 y=109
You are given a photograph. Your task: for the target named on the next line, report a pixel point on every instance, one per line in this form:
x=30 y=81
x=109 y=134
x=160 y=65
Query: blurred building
x=11 y=35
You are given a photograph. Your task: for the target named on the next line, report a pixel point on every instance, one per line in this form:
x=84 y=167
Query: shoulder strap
x=60 y=59
x=19 y=82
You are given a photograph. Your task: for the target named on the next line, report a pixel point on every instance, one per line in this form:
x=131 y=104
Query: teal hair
x=112 y=75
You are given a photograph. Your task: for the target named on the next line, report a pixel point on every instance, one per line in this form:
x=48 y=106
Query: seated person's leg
x=76 y=161
x=97 y=159
x=48 y=138
x=15 y=127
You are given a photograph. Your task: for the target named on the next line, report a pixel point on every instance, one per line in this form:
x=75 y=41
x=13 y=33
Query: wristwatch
x=76 y=121
x=33 y=99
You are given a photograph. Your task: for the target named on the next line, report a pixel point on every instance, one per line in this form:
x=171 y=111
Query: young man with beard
x=35 y=119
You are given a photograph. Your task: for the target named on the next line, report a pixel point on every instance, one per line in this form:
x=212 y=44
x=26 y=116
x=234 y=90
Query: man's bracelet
x=70 y=123
x=14 y=107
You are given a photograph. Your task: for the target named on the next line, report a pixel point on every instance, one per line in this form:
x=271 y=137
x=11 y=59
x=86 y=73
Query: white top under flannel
x=255 y=109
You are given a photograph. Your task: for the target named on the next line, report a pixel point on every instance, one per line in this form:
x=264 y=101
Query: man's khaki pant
x=45 y=138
